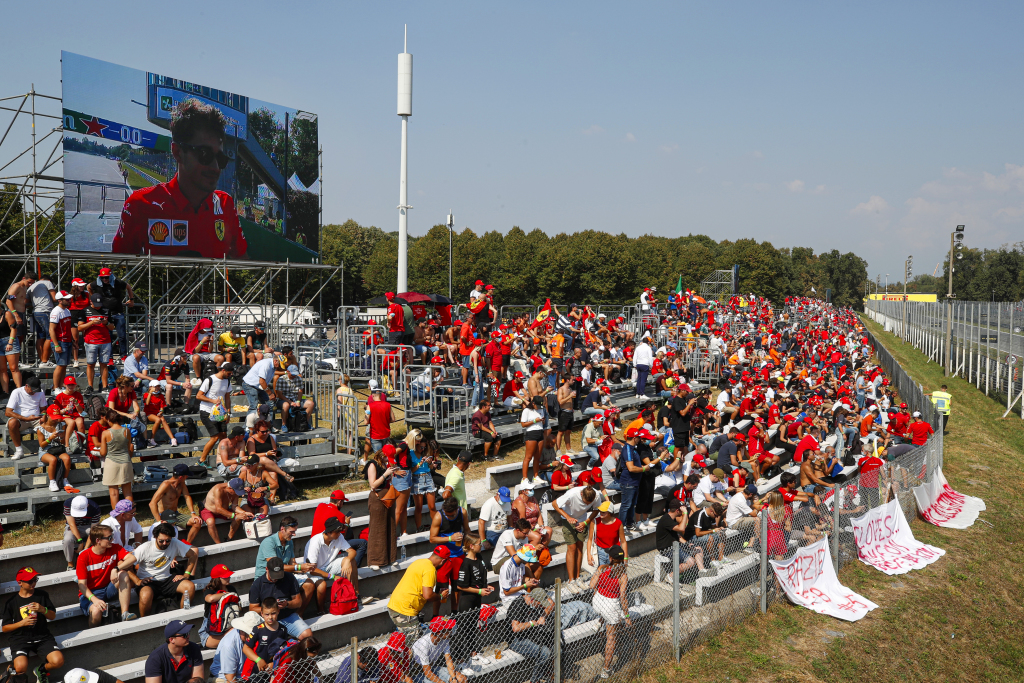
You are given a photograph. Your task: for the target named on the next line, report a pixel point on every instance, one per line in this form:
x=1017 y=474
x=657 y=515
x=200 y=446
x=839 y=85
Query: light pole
x=887 y=283
x=405 y=111
x=956 y=244
x=908 y=268
x=451 y=231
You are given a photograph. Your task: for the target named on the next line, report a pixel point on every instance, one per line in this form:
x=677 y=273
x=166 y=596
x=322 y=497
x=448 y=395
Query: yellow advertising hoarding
x=927 y=298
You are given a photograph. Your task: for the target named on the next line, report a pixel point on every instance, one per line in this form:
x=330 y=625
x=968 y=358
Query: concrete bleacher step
x=48 y=558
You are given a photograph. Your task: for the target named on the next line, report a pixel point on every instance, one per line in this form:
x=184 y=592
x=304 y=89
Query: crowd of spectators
x=796 y=380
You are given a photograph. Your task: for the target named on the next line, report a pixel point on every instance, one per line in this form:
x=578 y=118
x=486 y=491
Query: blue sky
x=872 y=128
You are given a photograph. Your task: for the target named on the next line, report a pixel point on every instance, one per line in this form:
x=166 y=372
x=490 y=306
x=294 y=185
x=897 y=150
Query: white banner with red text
x=810 y=581
x=884 y=541
x=942 y=506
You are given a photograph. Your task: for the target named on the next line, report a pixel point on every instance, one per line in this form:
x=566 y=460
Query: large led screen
x=155 y=164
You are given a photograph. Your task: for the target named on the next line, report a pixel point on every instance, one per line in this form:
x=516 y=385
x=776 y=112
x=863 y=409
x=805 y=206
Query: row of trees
x=588 y=266
x=981 y=275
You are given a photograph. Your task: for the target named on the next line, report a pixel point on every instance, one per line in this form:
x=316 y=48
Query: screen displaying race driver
x=157 y=165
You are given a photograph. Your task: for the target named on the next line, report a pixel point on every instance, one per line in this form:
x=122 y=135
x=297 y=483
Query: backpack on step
x=93 y=404
x=188 y=425
x=343 y=597
x=219 y=614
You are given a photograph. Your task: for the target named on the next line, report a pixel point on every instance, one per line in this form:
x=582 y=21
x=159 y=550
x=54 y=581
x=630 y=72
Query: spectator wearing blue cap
x=178 y=660
x=494 y=516
x=288 y=389
x=743 y=509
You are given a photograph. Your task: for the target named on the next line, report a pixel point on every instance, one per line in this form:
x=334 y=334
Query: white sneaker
x=524 y=484
x=174 y=442
x=75 y=364
x=53 y=486
x=537 y=481
x=152 y=443
x=19 y=451
x=375 y=567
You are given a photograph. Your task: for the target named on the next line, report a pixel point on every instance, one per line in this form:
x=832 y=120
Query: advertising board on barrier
x=942 y=506
x=809 y=580
x=155 y=164
x=884 y=541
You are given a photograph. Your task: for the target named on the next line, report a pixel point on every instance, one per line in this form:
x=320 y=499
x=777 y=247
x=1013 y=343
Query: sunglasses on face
x=205 y=155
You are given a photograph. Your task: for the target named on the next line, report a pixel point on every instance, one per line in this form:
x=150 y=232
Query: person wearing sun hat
x=24 y=617
x=228 y=658
x=516 y=576
x=127 y=530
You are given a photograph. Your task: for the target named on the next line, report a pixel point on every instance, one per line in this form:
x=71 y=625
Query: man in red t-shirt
x=919 y=430
x=808 y=443
x=187 y=215
x=869 y=467
x=396 y=319
x=102 y=576
x=325 y=511
x=379 y=419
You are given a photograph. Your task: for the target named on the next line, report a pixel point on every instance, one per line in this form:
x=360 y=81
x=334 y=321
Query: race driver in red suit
x=187 y=215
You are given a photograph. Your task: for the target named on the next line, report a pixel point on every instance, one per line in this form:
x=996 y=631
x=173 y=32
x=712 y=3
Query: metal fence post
x=675 y=598
x=764 y=560
x=557 y=647
x=836 y=492
x=353 y=662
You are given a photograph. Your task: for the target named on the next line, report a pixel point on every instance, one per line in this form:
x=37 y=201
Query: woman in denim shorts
x=423 y=488
x=402 y=483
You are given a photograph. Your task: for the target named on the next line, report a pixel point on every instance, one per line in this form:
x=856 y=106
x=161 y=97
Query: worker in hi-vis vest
x=943 y=402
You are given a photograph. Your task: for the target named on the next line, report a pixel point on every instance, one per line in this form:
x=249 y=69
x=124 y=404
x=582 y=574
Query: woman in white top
x=532 y=422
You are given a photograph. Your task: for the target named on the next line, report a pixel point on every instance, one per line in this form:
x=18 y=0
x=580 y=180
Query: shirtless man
x=419 y=342
x=812 y=473
x=450 y=343
x=169 y=493
x=17 y=301
x=228 y=450
x=566 y=394
x=222 y=503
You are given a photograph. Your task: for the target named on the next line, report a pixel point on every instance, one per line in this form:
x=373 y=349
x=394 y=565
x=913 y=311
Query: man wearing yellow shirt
x=231 y=344
x=414 y=591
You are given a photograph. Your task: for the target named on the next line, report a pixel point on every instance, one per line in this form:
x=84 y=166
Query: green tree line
x=981 y=275
x=589 y=266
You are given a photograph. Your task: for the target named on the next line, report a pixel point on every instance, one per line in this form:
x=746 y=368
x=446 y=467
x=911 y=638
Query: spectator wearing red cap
x=332 y=508
x=433 y=653
x=394 y=661
x=415 y=590
x=218 y=598
x=114 y=295
x=50 y=435
x=24 y=618
x=396 y=319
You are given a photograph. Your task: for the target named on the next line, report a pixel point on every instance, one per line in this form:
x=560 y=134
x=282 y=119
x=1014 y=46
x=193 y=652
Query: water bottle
x=403 y=554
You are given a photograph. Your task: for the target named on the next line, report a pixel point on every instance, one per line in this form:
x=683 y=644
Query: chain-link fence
x=986 y=340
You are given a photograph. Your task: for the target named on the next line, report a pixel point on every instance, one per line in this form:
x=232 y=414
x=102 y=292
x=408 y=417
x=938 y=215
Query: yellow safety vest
x=942 y=401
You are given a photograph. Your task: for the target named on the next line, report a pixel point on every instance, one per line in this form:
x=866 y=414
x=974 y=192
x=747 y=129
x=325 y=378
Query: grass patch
x=959 y=619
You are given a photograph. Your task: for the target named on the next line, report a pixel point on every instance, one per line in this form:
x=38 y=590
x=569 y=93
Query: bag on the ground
x=343 y=597
x=197 y=472
x=76 y=444
x=258 y=528
x=298 y=419
x=181 y=438
x=188 y=425
x=153 y=474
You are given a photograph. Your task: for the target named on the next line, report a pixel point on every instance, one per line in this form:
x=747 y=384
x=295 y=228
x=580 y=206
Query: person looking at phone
x=282 y=587
x=415 y=590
